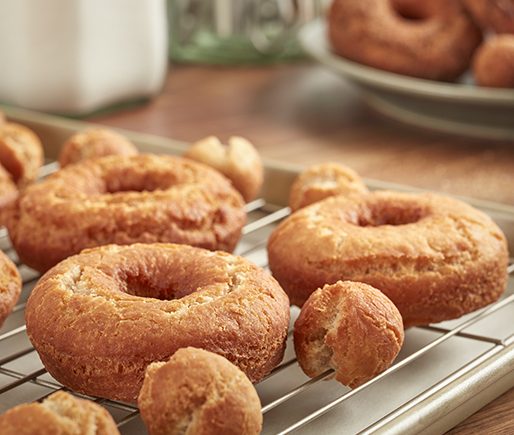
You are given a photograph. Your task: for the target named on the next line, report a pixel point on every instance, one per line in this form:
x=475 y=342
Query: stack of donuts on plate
x=142 y=301
x=435 y=40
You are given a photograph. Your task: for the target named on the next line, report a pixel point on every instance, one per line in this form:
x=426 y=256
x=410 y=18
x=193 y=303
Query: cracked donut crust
x=60 y=413
x=99 y=318
x=198 y=392
x=350 y=327
x=124 y=200
x=435 y=257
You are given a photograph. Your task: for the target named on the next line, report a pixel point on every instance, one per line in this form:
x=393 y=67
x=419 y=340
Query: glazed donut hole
x=198 y=392
x=412 y=10
x=349 y=327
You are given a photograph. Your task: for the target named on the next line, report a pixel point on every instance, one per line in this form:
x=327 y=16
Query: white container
x=76 y=56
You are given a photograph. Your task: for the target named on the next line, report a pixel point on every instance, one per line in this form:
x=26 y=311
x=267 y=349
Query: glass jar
x=238 y=31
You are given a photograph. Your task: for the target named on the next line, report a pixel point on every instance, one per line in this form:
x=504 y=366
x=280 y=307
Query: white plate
x=461 y=108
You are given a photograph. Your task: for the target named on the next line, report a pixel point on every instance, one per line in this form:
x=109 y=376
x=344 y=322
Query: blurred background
x=261 y=69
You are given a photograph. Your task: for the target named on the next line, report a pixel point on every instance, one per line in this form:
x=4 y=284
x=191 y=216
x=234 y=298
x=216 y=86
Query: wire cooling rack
x=435 y=359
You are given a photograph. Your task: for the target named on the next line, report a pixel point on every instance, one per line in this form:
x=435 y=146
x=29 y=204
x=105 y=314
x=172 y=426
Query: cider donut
x=198 y=383
x=435 y=257
x=496 y=15
x=59 y=414
x=321 y=181
x=493 y=64
x=10 y=286
x=124 y=200
x=426 y=39
x=239 y=162
x=21 y=152
x=98 y=142
x=98 y=319
x=350 y=327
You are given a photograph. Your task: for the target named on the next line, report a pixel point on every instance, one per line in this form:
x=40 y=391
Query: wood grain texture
x=303 y=114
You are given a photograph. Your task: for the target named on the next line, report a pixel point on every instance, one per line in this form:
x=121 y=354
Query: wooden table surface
x=303 y=114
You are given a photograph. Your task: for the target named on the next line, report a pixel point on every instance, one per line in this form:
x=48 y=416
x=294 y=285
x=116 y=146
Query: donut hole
x=145 y=287
x=167 y=279
x=390 y=214
x=410 y=10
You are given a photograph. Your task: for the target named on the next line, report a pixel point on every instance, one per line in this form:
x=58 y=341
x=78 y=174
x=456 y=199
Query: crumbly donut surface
x=493 y=65
x=21 y=152
x=430 y=39
x=99 y=318
x=322 y=181
x=10 y=286
x=98 y=142
x=350 y=327
x=124 y=200
x=61 y=414
x=435 y=257
x=198 y=392
x=239 y=161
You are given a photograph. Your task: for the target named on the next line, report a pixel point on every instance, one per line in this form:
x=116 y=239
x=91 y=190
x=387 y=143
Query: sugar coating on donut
x=239 y=161
x=21 y=152
x=197 y=391
x=59 y=413
x=493 y=64
x=98 y=142
x=322 y=181
x=350 y=327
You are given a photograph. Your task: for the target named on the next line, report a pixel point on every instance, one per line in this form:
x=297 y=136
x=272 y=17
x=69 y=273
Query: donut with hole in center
x=98 y=319
x=124 y=200
x=427 y=39
x=435 y=257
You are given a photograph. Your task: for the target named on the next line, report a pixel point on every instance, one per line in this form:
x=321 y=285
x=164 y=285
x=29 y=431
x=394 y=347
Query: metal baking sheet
x=444 y=373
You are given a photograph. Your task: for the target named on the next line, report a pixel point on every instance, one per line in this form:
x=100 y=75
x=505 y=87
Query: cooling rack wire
x=16 y=351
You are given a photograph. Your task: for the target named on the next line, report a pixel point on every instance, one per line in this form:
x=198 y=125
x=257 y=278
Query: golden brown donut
x=2 y=118
x=21 y=152
x=321 y=181
x=10 y=286
x=98 y=142
x=493 y=64
x=427 y=39
x=435 y=257
x=198 y=392
x=496 y=15
x=59 y=414
x=349 y=327
x=240 y=162
x=124 y=200
x=99 y=318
